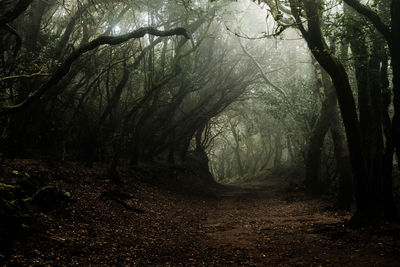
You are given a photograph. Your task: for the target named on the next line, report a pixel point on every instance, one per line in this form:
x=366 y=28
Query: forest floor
x=254 y=223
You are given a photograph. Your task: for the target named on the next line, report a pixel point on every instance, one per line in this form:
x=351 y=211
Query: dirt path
x=260 y=224
x=253 y=224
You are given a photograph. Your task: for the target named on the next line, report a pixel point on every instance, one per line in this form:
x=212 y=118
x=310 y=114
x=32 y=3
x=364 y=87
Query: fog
x=268 y=126
x=229 y=88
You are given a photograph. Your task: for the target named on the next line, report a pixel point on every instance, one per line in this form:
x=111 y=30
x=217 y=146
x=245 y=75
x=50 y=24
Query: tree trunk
x=237 y=150
x=278 y=152
x=345 y=180
x=387 y=183
x=337 y=72
x=313 y=157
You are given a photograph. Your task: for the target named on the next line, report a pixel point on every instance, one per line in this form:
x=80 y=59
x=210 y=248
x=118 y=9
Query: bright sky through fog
x=117 y=29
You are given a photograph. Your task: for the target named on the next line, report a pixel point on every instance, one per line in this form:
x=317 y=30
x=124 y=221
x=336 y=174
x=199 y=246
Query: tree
x=391 y=34
x=366 y=173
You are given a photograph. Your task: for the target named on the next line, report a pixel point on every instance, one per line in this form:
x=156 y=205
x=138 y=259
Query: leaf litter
x=247 y=224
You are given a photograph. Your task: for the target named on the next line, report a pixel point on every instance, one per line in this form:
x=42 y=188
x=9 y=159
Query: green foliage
x=16 y=211
x=17 y=207
x=20 y=174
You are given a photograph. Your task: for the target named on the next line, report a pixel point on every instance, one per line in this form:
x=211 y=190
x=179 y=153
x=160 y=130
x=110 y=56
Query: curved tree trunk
x=278 y=151
x=236 y=150
x=320 y=50
x=318 y=133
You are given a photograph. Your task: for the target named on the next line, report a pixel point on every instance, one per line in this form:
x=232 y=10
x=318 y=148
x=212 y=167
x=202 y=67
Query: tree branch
x=295 y=8
x=264 y=76
x=27 y=76
x=18 y=38
x=65 y=67
x=18 y=9
x=372 y=16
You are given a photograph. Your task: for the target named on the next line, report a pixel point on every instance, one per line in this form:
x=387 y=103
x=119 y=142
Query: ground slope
x=258 y=223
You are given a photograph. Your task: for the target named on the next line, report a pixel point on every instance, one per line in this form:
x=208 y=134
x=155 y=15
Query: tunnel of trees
x=232 y=89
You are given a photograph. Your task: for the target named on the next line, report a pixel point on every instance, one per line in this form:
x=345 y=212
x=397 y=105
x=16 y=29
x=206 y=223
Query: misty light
x=117 y=29
x=199 y=132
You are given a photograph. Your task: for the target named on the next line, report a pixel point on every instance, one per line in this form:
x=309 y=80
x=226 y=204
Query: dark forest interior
x=200 y=133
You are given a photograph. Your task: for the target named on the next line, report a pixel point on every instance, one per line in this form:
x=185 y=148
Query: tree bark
x=320 y=50
x=236 y=150
x=65 y=67
x=313 y=157
x=391 y=33
x=14 y=12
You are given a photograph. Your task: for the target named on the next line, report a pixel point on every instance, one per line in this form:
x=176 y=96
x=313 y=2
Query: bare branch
x=278 y=31
x=27 y=76
x=264 y=76
x=65 y=67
